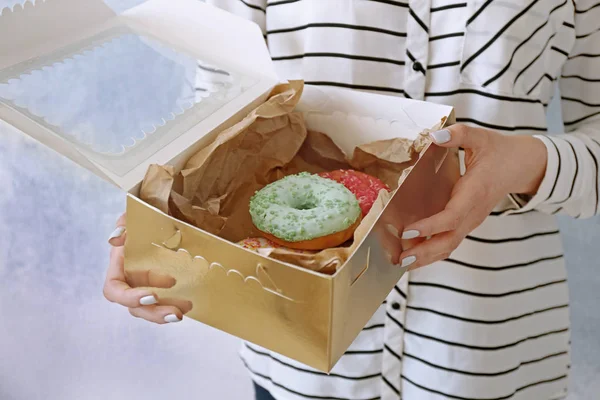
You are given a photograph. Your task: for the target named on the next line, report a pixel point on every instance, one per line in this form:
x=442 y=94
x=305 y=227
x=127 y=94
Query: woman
x=488 y=319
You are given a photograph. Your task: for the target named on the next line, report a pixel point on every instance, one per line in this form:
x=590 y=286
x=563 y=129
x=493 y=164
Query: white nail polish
x=171 y=318
x=117 y=233
x=148 y=300
x=442 y=136
x=392 y=229
x=408 y=261
x=410 y=234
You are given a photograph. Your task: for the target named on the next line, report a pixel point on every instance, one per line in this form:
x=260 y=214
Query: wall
x=60 y=340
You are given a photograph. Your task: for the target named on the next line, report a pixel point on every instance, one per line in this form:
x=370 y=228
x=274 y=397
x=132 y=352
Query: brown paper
x=157 y=186
x=214 y=188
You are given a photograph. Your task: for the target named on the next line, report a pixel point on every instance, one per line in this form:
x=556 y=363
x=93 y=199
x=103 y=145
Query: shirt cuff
x=525 y=203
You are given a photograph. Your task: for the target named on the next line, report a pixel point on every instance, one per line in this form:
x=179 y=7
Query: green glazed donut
x=304 y=207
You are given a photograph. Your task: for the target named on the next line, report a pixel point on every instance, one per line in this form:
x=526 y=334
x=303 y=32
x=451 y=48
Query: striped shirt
x=492 y=321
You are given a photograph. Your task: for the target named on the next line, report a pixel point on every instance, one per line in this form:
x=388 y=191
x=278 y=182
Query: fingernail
x=148 y=300
x=410 y=234
x=392 y=229
x=442 y=136
x=171 y=318
x=408 y=261
x=117 y=233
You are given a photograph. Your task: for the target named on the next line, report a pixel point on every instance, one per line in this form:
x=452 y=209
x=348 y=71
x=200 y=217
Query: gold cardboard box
x=307 y=316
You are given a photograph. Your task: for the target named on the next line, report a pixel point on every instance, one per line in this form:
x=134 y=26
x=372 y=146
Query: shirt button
x=417 y=66
x=396 y=306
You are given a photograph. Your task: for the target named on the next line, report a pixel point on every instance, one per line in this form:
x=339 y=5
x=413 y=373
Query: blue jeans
x=262 y=394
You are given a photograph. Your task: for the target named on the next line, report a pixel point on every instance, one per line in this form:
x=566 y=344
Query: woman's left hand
x=496 y=165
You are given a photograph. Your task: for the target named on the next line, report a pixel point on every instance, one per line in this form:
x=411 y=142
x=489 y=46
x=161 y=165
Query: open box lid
x=118 y=93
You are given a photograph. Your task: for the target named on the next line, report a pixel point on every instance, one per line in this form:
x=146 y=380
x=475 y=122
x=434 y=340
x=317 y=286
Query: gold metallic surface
x=310 y=317
x=274 y=305
x=424 y=193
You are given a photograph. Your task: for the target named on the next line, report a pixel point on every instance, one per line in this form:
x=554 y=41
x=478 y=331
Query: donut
x=365 y=187
x=305 y=212
x=258 y=243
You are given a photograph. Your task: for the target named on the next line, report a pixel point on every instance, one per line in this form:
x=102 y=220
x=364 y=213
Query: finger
x=389 y=240
x=466 y=195
x=461 y=136
x=135 y=278
x=116 y=288
x=149 y=279
x=157 y=314
x=184 y=306
x=117 y=237
x=440 y=247
x=409 y=244
x=116 y=264
x=445 y=221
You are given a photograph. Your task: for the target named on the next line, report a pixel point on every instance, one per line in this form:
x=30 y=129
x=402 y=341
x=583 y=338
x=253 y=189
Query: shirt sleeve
x=253 y=10
x=571 y=182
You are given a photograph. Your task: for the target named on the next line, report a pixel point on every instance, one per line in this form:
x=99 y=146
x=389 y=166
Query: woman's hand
x=123 y=289
x=496 y=165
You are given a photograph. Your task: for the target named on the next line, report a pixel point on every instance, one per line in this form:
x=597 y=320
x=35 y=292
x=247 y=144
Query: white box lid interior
x=118 y=93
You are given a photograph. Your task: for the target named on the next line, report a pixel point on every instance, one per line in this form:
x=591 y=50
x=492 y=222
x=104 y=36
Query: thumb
x=117 y=237
x=460 y=136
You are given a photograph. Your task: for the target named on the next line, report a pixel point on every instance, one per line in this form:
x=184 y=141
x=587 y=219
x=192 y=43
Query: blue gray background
x=60 y=340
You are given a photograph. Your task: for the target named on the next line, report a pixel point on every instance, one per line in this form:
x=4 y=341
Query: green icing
x=303 y=207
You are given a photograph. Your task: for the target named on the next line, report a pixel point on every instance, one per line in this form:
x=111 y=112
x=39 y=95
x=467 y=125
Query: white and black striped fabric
x=491 y=322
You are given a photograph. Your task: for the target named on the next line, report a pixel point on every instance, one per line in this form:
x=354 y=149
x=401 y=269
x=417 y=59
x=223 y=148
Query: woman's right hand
x=126 y=289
